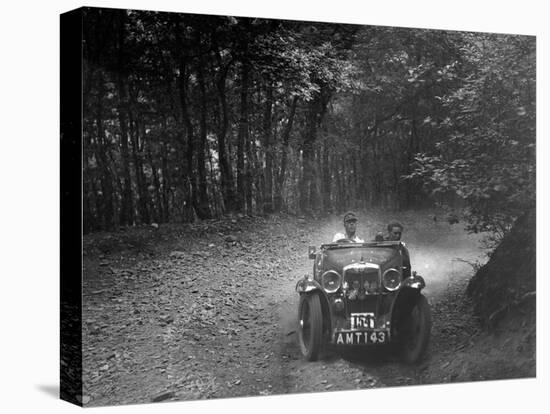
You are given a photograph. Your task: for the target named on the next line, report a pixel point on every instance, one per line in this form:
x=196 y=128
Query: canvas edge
x=71 y=207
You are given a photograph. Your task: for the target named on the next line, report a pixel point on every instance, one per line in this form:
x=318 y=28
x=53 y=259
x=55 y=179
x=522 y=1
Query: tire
x=416 y=331
x=310 y=326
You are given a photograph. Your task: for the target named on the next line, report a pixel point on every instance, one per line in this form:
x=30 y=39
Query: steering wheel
x=345 y=240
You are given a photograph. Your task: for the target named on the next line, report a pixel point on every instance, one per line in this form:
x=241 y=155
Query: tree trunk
x=90 y=221
x=156 y=184
x=377 y=178
x=268 y=145
x=127 y=209
x=165 y=177
x=339 y=169
x=242 y=139
x=140 y=178
x=215 y=191
x=412 y=190
x=308 y=156
x=309 y=187
x=279 y=184
x=103 y=162
x=203 y=210
x=252 y=177
x=98 y=201
x=226 y=173
x=190 y=203
x=189 y=173
x=325 y=176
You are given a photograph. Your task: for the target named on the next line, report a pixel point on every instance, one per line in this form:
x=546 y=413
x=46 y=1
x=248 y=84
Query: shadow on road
x=372 y=357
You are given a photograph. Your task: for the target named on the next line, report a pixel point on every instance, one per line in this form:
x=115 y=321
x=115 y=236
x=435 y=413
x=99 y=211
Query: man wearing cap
x=350 y=225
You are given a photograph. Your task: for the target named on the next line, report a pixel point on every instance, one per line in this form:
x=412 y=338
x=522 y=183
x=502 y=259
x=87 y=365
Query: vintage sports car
x=363 y=294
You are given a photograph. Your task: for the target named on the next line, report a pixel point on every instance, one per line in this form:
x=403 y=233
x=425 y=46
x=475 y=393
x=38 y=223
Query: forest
x=190 y=117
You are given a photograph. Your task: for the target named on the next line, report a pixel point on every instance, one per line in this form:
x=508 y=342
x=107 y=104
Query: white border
x=30 y=192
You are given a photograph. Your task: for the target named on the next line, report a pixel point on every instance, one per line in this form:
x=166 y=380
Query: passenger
x=395 y=230
x=350 y=226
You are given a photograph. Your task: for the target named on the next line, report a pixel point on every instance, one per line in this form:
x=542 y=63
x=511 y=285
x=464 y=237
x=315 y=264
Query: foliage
x=487 y=154
x=189 y=116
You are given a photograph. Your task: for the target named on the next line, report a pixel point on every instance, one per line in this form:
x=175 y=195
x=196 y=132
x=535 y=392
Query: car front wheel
x=416 y=331
x=310 y=330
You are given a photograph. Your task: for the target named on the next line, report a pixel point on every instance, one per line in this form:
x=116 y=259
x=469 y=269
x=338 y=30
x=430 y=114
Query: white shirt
x=339 y=236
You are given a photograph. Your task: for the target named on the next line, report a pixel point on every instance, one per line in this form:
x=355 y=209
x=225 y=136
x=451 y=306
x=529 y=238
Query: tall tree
x=127 y=208
x=203 y=209
x=243 y=186
x=226 y=172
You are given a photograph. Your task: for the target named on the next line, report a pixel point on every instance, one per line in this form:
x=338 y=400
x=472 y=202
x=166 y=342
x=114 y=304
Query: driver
x=350 y=225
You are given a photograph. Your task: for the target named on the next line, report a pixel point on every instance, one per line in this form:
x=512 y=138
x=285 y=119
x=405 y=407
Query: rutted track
x=210 y=311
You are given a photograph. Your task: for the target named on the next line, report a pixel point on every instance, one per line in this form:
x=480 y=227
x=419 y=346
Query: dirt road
x=209 y=311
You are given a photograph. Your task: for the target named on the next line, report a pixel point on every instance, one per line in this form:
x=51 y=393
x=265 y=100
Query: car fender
x=409 y=291
x=306 y=285
x=407 y=296
x=414 y=282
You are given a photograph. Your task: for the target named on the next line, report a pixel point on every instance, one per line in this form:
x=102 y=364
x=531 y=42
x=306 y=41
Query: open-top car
x=363 y=294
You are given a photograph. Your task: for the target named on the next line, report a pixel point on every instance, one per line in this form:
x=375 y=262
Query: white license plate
x=362 y=320
x=367 y=337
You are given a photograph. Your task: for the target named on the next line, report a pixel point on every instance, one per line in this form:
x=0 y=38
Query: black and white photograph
x=278 y=206
x=288 y=210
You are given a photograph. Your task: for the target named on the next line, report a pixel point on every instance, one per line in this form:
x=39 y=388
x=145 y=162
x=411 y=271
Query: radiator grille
x=364 y=280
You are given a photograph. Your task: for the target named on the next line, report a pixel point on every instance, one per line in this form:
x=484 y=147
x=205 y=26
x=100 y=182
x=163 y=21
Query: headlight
x=331 y=281
x=391 y=279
